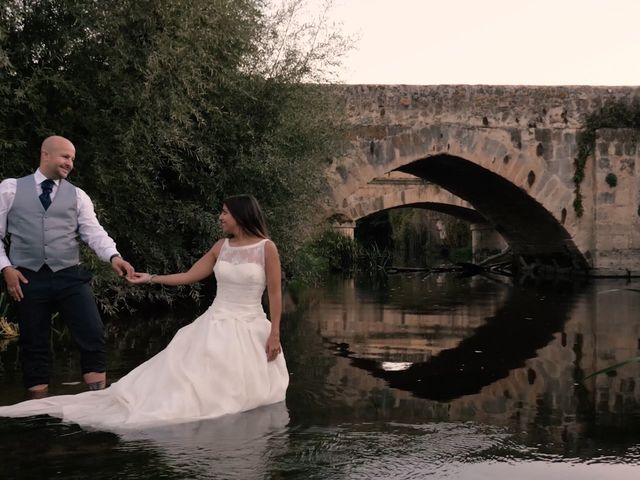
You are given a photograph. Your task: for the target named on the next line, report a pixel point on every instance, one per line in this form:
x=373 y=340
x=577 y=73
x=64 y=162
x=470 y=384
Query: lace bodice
x=240 y=274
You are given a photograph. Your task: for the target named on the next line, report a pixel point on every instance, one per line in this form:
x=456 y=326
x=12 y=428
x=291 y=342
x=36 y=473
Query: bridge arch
x=415 y=193
x=425 y=195
x=514 y=181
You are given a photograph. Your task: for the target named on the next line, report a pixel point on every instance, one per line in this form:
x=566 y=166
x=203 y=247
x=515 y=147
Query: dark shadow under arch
x=531 y=231
x=466 y=214
x=527 y=322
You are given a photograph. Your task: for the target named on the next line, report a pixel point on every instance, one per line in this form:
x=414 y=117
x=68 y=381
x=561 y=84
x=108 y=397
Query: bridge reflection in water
x=486 y=351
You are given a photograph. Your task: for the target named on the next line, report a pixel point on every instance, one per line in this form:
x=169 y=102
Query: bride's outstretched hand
x=139 y=277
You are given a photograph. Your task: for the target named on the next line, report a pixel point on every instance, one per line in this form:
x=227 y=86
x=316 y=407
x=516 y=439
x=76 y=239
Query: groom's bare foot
x=37 y=391
x=95 y=380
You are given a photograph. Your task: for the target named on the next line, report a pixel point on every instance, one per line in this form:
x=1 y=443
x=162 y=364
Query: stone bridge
x=507 y=153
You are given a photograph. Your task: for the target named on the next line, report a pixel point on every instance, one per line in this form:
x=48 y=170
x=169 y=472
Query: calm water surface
x=407 y=378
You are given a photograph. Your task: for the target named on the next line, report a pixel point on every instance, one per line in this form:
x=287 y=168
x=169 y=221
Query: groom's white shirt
x=89 y=229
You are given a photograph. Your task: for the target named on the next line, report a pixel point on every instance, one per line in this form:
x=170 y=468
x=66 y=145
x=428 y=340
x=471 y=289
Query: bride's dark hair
x=246 y=210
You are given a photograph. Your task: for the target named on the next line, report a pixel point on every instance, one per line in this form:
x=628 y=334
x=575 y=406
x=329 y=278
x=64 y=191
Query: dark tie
x=45 y=196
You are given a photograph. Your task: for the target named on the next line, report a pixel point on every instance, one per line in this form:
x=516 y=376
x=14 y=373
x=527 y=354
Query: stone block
x=618 y=149
x=602 y=148
x=543 y=135
x=550 y=187
x=553 y=166
x=553 y=201
x=606 y=198
x=620 y=241
x=540 y=184
x=627 y=165
x=604 y=163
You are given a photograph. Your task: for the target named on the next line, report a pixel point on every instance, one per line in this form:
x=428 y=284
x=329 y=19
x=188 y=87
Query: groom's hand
x=122 y=267
x=13 y=278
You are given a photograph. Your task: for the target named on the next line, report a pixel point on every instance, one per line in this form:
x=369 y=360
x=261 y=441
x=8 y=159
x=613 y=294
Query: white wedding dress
x=215 y=366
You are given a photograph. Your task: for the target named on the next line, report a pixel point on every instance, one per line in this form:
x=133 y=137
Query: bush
x=332 y=252
x=172 y=106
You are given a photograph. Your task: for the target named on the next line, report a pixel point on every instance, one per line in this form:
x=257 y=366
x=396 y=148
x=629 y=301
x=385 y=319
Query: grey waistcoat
x=39 y=236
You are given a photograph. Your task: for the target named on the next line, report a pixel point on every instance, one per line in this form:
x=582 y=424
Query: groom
x=46 y=217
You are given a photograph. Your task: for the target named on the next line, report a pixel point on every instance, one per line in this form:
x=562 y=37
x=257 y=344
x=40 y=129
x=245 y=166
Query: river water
x=407 y=377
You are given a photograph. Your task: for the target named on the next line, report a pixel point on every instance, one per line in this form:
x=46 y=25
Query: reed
x=613 y=368
x=7 y=329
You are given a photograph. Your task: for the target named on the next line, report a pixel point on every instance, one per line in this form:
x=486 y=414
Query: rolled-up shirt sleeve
x=7 y=194
x=90 y=230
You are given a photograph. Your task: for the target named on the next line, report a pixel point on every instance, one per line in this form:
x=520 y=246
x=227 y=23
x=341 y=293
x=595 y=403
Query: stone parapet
x=480 y=106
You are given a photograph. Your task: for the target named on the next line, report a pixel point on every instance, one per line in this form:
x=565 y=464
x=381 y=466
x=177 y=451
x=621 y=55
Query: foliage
x=418 y=234
x=611 y=179
x=7 y=329
x=4 y=304
x=372 y=258
x=172 y=106
x=331 y=252
x=461 y=254
x=618 y=114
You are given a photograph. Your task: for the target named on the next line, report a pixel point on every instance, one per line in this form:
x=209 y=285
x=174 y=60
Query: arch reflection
x=439 y=346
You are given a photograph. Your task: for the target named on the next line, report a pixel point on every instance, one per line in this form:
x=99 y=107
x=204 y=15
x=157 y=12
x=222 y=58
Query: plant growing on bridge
x=611 y=179
x=616 y=114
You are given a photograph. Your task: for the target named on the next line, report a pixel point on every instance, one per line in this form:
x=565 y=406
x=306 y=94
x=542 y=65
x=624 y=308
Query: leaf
x=614 y=367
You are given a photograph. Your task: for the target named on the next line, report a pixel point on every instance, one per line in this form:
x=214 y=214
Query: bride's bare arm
x=199 y=270
x=274 y=290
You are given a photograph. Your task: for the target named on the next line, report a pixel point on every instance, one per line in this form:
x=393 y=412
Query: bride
x=228 y=360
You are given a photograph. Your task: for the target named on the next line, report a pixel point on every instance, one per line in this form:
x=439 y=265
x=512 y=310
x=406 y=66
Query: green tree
x=172 y=105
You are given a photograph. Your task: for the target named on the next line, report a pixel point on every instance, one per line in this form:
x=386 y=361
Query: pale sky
x=522 y=42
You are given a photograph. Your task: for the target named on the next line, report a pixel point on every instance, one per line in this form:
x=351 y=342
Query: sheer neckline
x=245 y=246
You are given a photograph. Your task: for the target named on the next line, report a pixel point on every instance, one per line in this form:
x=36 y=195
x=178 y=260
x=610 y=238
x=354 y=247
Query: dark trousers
x=68 y=292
